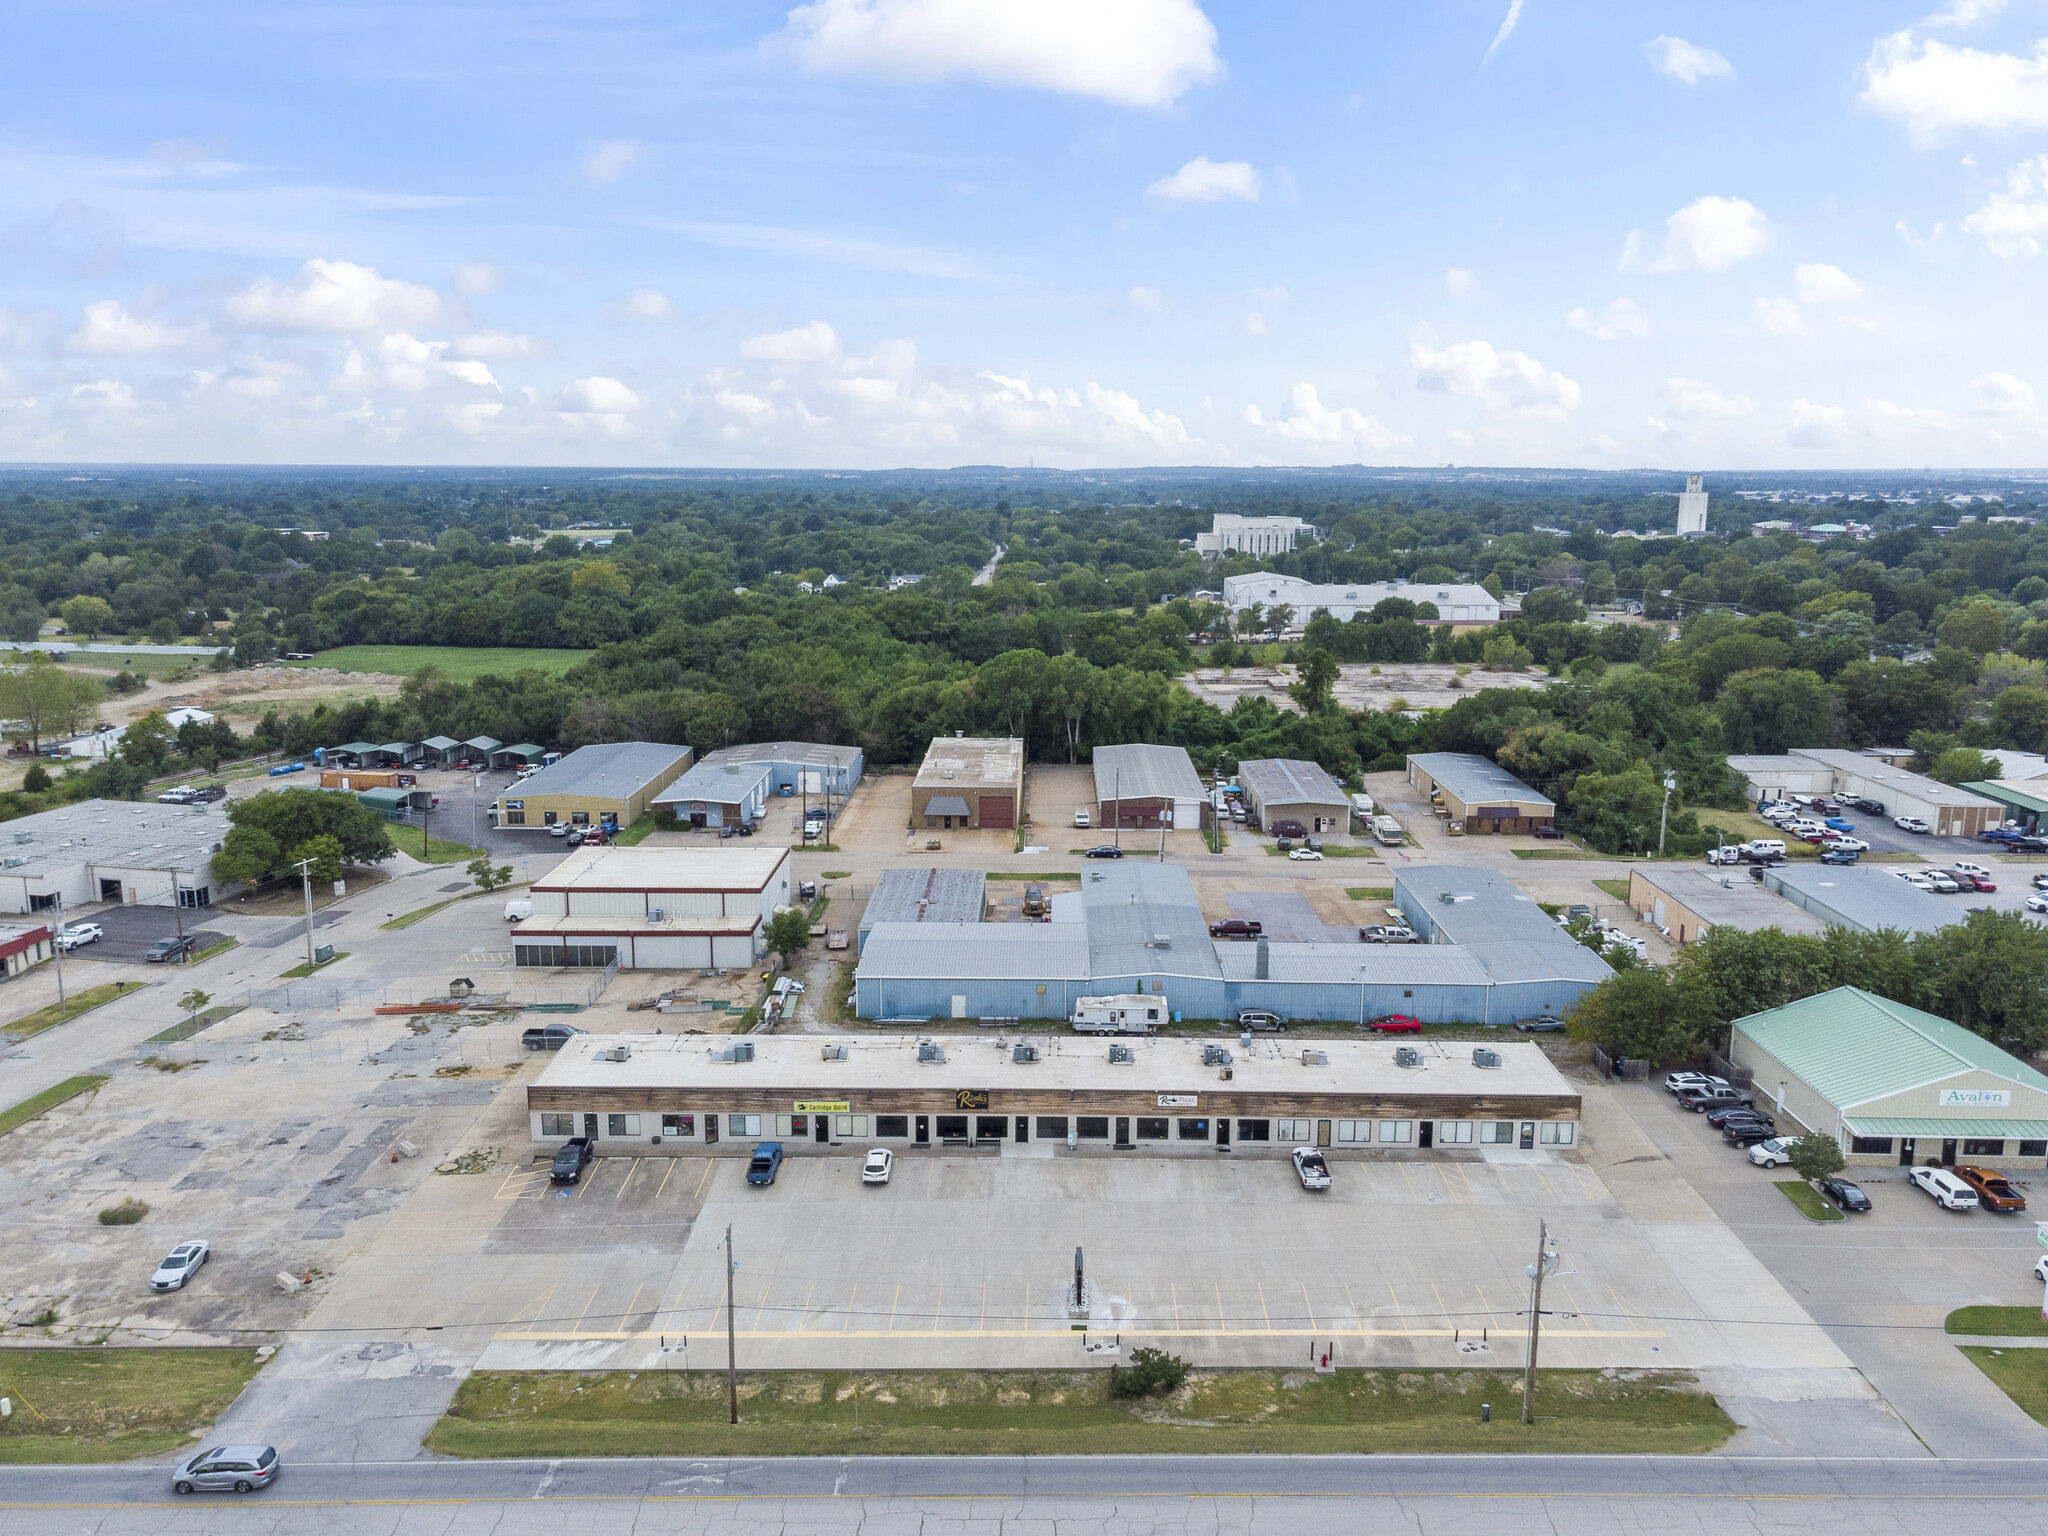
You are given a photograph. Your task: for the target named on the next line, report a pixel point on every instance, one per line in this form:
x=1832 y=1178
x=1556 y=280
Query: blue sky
x=1080 y=232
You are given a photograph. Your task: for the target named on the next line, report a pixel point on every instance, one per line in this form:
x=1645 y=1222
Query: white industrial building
x=1692 y=507
x=1950 y=811
x=1230 y=534
x=654 y=908
x=1455 y=603
x=110 y=851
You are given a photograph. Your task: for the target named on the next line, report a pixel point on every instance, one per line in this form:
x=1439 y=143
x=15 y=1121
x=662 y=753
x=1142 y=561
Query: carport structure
x=522 y=755
x=441 y=750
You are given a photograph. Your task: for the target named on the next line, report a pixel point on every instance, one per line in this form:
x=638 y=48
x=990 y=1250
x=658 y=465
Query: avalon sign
x=1178 y=1100
x=1975 y=1098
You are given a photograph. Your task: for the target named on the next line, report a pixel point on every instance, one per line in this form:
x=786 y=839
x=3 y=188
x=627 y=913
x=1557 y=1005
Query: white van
x=1128 y=1014
x=1945 y=1189
x=518 y=909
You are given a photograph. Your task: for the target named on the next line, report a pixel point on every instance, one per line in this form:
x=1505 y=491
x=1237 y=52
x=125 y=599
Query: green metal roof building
x=1896 y=1085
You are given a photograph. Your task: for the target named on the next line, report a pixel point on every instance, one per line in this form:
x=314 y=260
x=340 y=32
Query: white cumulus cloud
x=1691 y=397
x=1145 y=298
x=1814 y=426
x=609 y=159
x=1203 y=180
x=111 y=393
x=334 y=296
x=494 y=346
x=598 y=396
x=1510 y=384
x=2000 y=394
x=805 y=344
x=1681 y=60
x=1457 y=281
x=1937 y=89
x=1255 y=323
x=1135 y=53
x=1781 y=317
x=109 y=330
x=1622 y=320
x=1818 y=283
x=1709 y=234
x=1311 y=421
x=642 y=304
x=476 y=277
x=2014 y=219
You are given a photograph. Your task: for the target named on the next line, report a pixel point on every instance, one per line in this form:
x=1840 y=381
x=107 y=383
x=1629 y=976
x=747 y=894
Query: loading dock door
x=998 y=811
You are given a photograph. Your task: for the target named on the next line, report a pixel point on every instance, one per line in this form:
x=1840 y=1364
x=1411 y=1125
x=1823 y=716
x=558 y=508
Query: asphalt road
x=1078 y=1496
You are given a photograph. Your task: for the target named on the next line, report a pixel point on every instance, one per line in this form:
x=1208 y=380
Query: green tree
x=1152 y=1373
x=291 y=817
x=1644 y=1012
x=601 y=576
x=1775 y=711
x=321 y=855
x=149 y=742
x=2022 y=716
x=50 y=700
x=246 y=855
x=1984 y=973
x=488 y=876
x=36 y=780
x=1553 y=605
x=1315 y=677
x=1976 y=627
x=789 y=932
x=91 y=616
x=192 y=1002
x=1815 y=1156
x=1965 y=765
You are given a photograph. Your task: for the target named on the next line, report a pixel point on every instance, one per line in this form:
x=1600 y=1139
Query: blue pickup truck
x=765 y=1163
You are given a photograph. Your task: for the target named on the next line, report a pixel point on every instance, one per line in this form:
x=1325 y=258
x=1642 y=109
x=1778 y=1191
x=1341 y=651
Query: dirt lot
x=1360 y=685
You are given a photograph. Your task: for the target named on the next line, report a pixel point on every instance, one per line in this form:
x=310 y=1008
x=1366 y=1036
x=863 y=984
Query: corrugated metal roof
x=2031 y=796
x=926 y=896
x=1864 y=899
x=985 y=951
x=1405 y=965
x=1897 y=780
x=2011 y=1130
x=440 y=743
x=1740 y=903
x=1477 y=780
x=1556 y=959
x=1130 y=905
x=481 y=743
x=718 y=783
x=614 y=770
x=1488 y=908
x=1289 y=781
x=810 y=753
x=1145 y=771
x=1852 y=1046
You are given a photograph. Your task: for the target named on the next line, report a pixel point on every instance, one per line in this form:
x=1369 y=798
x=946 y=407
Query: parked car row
x=1742 y=1124
x=1962 y=876
x=2015 y=839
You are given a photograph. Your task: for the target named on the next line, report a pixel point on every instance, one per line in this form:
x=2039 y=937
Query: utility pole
x=732 y=1369
x=1664 y=814
x=57 y=954
x=306 y=875
x=178 y=912
x=1546 y=1260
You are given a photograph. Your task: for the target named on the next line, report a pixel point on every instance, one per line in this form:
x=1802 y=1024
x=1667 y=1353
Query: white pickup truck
x=1313 y=1171
x=1945 y=1189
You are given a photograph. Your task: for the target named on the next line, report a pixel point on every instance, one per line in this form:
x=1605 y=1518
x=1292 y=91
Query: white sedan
x=2036 y=902
x=1304 y=853
x=876 y=1170
x=180 y=1265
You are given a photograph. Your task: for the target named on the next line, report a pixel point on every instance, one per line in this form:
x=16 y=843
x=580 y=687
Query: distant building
x=1230 y=534
x=1455 y=603
x=1692 y=507
x=1950 y=811
x=613 y=784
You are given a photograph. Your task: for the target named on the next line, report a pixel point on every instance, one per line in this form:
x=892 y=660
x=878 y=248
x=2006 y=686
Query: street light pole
x=1546 y=1260
x=732 y=1370
x=306 y=875
x=57 y=953
x=1664 y=814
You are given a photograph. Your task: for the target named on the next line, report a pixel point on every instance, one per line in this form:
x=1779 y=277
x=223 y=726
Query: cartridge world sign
x=1975 y=1098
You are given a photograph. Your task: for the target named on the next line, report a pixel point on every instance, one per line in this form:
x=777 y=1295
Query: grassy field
x=810 y=1413
x=2021 y=1374
x=1807 y=1198
x=49 y=1098
x=1999 y=1322
x=82 y=1001
x=79 y=1405
x=633 y=836
x=418 y=843
x=460 y=662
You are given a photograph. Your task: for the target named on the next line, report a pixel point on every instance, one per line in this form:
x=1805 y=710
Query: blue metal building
x=798 y=767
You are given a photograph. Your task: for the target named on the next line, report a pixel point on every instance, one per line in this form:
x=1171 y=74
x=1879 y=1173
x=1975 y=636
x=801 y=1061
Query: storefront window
x=991 y=1127
x=1354 y=1130
x=1051 y=1128
x=1559 y=1133
x=678 y=1125
x=1397 y=1130
x=558 y=1125
x=622 y=1125
x=1978 y=1148
x=1453 y=1133
x=2032 y=1149
x=954 y=1126
x=1497 y=1133
x=743 y=1125
x=1254 y=1130
x=1151 y=1128
x=1877 y=1145
x=1194 y=1130
x=1092 y=1127
x=892 y=1125
x=849 y=1125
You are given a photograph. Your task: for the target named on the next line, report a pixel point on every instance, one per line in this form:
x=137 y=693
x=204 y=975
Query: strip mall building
x=681 y=1094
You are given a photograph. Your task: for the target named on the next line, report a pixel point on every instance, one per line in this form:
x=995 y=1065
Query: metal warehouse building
x=653 y=908
x=798 y=767
x=1477 y=794
x=110 y=850
x=969 y=782
x=1141 y=785
x=715 y=795
x=924 y=896
x=679 y=1095
x=1687 y=903
x=1895 y=1085
x=1951 y=812
x=1285 y=789
x=1534 y=966
x=612 y=784
x=1137 y=928
x=1866 y=900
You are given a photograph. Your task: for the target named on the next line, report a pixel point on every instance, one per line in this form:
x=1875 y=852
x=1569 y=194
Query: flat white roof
x=664 y=869
x=972 y=762
x=1065 y=1061
x=115 y=834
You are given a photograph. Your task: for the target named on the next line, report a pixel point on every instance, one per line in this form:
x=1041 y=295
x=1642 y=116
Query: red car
x=1395 y=1024
x=1969 y=882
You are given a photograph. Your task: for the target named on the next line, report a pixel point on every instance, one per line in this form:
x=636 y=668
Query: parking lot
x=131 y=930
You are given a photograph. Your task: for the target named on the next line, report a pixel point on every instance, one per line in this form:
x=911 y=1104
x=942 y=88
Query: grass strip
x=48 y=1099
x=86 y=1405
x=1618 y=889
x=216 y=949
x=636 y=834
x=185 y=1029
x=1998 y=1322
x=1807 y=1198
x=2021 y=1374
x=460 y=663
x=307 y=970
x=407 y=919
x=1369 y=892
x=430 y=850
x=77 y=1003
x=811 y=1413
x=1028 y=877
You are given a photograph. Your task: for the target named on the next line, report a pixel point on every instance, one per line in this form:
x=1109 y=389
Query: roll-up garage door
x=998 y=811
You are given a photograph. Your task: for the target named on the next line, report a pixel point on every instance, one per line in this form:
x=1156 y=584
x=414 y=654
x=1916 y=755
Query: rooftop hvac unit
x=1485 y=1058
x=1455 y=896
x=1315 y=1058
x=615 y=1053
x=930 y=1050
x=24 y=837
x=1121 y=1055
x=833 y=1053
x=1215 y=1056
x=654 y=914
x=1160 y=941
x=14 y=862
x=1024 y=1053
x=1407 y=1056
